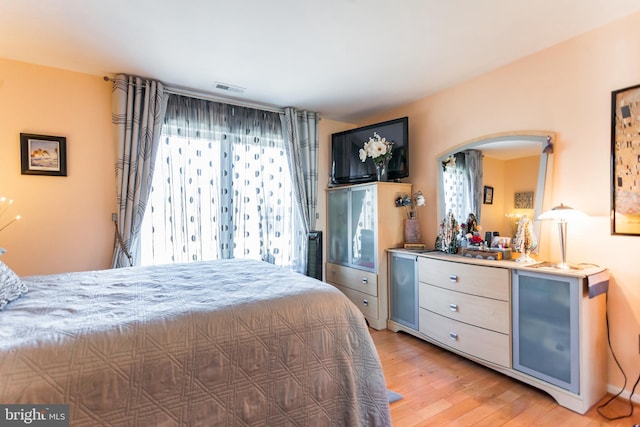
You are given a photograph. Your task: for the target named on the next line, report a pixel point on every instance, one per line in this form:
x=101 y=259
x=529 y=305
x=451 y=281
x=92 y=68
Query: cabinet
x=363 y=221
x=545 y=328
x=534 y=323
x=403 y=289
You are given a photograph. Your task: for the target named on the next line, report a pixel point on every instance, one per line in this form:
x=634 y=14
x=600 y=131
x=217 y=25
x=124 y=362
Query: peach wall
x=66 y=222
x=567 y=89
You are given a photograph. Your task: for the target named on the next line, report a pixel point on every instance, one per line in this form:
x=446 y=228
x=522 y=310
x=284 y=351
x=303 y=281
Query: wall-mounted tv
x=346 y=166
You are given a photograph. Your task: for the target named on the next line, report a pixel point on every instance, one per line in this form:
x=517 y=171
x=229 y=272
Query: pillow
x=11 y=287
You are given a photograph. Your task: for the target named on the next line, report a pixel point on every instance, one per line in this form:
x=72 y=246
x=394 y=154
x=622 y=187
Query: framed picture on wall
x=488 y=195
x=625 y=161
x=43 y=154
x=523 y=200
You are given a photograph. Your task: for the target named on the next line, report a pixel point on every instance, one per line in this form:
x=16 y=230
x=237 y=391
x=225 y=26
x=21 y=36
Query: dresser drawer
x=491 y=346
x=477 y=311
x=359 y=280
x=366 y=303
x=490 y=282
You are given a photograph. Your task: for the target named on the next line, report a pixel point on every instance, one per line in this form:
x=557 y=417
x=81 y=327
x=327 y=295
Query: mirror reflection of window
x=462 y=179
x=363 y=226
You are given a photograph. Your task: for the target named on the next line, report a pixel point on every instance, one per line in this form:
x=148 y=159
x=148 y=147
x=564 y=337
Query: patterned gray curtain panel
x=302 y=134
x=473 y=159
x=137 y=111
x=301 y=130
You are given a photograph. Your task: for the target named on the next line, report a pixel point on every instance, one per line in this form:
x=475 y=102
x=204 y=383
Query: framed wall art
x=523 y=200
x=488 y=195
x=625 y=161
x=43 y=154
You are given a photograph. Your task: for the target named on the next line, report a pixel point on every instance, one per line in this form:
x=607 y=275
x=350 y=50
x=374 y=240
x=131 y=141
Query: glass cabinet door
x=363 y=227
x=403 y=289
x=338 y=227
x=545 y=328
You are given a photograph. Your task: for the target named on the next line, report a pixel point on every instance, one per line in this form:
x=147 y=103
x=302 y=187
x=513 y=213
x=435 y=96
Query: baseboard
x=625 y=394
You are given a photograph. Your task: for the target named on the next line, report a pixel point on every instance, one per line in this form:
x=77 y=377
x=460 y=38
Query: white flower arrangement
x=378 y=148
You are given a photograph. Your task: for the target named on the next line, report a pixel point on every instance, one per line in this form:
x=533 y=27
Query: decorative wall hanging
x=43 y=154
x=523 y=200
x=625 y=161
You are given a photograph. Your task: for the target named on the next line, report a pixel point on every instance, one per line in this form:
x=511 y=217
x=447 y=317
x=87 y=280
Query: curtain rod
x=176 y=90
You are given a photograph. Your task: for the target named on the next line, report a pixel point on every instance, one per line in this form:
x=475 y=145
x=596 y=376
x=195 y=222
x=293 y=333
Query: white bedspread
x=230 y=342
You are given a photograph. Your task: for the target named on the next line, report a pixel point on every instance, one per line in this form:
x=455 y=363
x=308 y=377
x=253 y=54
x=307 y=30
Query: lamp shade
x=562 y=213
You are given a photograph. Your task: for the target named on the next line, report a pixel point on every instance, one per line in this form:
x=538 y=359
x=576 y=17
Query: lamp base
x=562 y=266
x=556 y=266
x=565 y=266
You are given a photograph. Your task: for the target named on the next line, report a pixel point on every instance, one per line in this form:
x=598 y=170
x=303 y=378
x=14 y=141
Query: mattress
x=228 y=342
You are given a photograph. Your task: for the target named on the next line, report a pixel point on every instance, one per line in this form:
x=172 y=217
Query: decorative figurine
x=525 y=240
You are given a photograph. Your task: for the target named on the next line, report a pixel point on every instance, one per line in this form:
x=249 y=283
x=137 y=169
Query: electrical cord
x=633 y=389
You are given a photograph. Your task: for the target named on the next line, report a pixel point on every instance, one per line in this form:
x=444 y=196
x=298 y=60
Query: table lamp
x=562 y=214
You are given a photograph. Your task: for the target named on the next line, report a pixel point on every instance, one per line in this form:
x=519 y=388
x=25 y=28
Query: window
x=462 y=184
x=222 y=187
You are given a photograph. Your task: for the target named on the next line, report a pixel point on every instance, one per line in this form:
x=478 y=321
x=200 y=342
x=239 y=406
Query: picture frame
x=43 y=154
x=488 y=195
x=625 y=161
x=523 y=200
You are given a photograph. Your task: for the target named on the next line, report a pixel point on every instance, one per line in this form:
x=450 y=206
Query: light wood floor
x=441 y=388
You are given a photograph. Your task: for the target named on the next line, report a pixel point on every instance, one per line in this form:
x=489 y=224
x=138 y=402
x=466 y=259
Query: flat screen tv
x=346 y=166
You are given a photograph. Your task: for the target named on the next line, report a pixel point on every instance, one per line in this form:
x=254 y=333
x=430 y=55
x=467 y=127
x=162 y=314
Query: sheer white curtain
x=222 y=187
x=463 y=185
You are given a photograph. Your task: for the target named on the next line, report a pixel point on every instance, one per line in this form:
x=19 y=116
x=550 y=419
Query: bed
x=228 y=342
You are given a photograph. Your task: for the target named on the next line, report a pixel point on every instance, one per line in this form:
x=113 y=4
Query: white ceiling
x=346 y=59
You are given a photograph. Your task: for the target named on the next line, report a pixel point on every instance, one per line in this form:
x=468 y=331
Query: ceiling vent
x=229 y=88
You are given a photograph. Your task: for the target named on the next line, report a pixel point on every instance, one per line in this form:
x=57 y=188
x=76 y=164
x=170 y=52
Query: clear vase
x=381 y=169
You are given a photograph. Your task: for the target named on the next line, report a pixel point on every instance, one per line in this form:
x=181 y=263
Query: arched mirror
x=506 y=176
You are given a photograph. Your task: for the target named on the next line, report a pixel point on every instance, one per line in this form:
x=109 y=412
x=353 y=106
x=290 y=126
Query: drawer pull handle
x=453 y=278
x=333 y=271
x=365 y=280
x=365 y=302
x=453 y=307
x=453 y=336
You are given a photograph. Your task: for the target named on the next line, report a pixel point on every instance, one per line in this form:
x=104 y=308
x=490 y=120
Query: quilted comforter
x=229 y=342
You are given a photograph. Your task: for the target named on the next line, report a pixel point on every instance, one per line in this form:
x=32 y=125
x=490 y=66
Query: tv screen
x=346 y=166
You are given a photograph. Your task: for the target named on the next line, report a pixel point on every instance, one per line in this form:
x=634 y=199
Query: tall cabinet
x=363 y=221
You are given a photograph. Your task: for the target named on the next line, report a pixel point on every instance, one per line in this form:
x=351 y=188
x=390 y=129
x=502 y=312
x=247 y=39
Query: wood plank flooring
x=440 y=388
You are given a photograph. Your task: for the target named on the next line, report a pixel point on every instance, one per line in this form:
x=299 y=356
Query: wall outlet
x=114 y=217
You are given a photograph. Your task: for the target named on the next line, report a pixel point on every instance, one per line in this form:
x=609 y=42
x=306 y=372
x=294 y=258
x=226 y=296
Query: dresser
x=362 y=222
x=538 y=324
